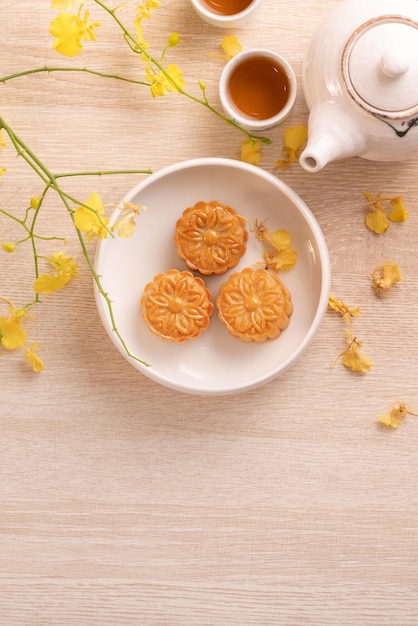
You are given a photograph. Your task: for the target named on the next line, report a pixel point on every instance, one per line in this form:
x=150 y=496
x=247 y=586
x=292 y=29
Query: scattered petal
x=399 y=212
x=250 y=151
x=294 y=140
x=395 y=417
x=377 y=221
x=231 y=46
x=340 y=307
x=351 y=357
x=33 y=359
x=385 y=276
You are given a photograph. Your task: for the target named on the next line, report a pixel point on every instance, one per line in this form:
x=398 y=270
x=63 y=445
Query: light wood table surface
x=124 y=503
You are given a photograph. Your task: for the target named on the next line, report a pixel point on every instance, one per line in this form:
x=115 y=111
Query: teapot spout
x=332 y=135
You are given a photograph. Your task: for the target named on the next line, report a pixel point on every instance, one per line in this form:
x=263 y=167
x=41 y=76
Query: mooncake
x=211 y=237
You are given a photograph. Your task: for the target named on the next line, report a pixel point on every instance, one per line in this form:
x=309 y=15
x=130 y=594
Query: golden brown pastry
x=254 y=305
x=177 y=306
x=211 y=237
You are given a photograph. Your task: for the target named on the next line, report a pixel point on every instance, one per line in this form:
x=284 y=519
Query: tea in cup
x=257 y=89
x=225 y=13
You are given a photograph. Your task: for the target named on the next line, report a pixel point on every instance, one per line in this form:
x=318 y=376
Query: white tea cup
x=225 y=13
x=257 y=89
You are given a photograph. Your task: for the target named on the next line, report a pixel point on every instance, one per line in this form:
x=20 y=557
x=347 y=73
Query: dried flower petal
x=395 y=417
x=399 y=212
x=377 y=221
x=250 y=151
x=283 y=260
x=283 y=257
x=231 y=46
x=352 y=358
x=385 y=276
x=294 y=139
x=340 y=307
x=33 y=359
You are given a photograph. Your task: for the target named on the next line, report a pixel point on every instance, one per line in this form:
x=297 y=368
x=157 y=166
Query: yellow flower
x=34 y=202
x=385 y=276
x=3 y=144
x=62 y=5
x=294 y=139
x=145 y=8
x=12 y=335
x=33 y=359
x=250 y=151
x=282 y=260
x=352 y=358
x=231 y=46
x=127 y=223
x=376 y=219
x=65 y=269
x=144 y=12
x=174 y=40
x=340 y=307
x=162 y=83
x=399 y=212
x=283 y=256
x=395 y=417
x=92 y=220
x=68 y=30
x=8 y=247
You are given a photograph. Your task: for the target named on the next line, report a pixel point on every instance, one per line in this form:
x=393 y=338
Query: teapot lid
x=380 y=66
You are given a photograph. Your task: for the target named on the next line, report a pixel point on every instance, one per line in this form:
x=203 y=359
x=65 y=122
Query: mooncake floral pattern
x=254 y=305
x=211 y=237
x=177 y=306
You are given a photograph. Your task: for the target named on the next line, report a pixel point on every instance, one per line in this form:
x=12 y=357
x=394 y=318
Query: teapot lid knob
x=394 y=63
x=380 y=66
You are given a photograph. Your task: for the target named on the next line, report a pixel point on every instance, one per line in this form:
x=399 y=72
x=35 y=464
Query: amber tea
x=227 y=7
x=259 y=88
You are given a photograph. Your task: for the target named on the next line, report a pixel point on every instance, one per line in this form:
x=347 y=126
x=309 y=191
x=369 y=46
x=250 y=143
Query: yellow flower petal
x=67 y=30
x=352 y=358
x=62 y=5
x=399 y=212
x=340 y=307
x=48 y=283
x=231 y=46
x=376 y=221
x=395 y=418
x=8 y=247
x=65 y=269
x=250 y=151
x=282 y=260
x=12 y=335
x=33 y=359
x=92 y=220
x=295 y=137
x=280 y=239
x=385 y=276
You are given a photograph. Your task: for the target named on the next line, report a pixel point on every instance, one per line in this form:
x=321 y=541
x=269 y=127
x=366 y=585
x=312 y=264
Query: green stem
x=49 y=70
x=130 y=39
x=105 y=295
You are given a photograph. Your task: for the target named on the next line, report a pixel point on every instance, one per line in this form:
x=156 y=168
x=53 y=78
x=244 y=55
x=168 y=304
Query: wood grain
x=123 y=503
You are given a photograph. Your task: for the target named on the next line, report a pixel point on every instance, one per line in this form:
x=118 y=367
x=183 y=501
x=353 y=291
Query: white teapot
x=360 y=81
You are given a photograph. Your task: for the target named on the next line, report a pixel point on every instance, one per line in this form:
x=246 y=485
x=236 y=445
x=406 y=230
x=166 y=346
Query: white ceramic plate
x=215 y=363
